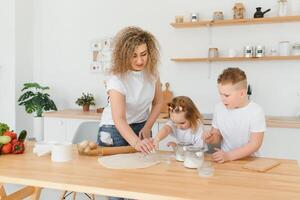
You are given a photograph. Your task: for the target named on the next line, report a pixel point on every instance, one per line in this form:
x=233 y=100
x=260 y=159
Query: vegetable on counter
x=4 y=139
x=18 y=148
x=3 y=128
x=11 y=143
x=6 y=148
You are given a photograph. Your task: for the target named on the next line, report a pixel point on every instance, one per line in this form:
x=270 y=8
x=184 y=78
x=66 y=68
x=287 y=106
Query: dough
x=128 y=161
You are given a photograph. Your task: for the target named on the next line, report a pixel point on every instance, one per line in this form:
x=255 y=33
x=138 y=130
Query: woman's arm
x=118 y=107
x=155 y=111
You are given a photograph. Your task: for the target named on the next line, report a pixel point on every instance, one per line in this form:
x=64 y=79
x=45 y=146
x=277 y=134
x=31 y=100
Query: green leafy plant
x=3 y=127
x=86 y=99
x=35 y=99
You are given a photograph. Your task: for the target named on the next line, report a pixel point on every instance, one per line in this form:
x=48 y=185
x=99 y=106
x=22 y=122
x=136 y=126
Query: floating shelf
x=230 y=22
x=221 y=59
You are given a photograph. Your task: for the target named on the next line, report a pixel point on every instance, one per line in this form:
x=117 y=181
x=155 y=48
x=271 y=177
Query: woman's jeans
x=117 y=139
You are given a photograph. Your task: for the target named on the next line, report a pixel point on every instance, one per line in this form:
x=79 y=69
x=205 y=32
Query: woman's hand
x=145 y=146
x=145 y=133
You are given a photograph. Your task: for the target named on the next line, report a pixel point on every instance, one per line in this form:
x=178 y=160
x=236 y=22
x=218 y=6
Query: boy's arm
x=251 y=147
x=212 y=137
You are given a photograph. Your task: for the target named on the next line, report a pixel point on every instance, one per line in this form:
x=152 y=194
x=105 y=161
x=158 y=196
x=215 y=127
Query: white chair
x=86 y=131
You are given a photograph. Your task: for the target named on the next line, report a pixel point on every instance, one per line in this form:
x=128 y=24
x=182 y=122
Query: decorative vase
x=86 y=108
x=38 y=128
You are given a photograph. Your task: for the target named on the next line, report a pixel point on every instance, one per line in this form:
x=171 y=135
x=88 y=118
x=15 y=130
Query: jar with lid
x=193 y=157
x=213 y=52
x=179 y=150
x=296 y=49
x=282 y=7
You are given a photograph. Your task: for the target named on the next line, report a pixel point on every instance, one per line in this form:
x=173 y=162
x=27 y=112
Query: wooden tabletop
x=164 y=181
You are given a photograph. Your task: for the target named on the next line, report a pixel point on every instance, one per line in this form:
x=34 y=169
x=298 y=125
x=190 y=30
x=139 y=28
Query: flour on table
x=128 y=161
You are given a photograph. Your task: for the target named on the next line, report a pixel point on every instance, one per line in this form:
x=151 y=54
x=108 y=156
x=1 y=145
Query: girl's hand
x=172 y=144
x=220 y=156
x=156 y=143
x=145 y=133
x=207 y=137
x=145 y=146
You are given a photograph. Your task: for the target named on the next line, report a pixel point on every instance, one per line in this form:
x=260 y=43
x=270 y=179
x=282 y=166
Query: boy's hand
x=220 y=156
x=207 y=137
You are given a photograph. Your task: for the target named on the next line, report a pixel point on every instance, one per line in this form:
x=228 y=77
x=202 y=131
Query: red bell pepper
x=18 y=148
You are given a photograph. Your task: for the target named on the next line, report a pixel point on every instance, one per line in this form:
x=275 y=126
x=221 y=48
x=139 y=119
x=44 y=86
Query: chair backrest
x=86 y=131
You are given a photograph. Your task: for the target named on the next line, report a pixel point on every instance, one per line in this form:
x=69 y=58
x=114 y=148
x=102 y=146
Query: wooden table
x=164 y=181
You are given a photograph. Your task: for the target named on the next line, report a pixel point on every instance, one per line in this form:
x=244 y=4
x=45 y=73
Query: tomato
x=11 y=134
x=6 y=148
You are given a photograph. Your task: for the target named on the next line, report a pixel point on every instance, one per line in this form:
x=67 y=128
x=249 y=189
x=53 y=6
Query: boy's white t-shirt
x=139 y=93
x=236 y=125
x=187 y=135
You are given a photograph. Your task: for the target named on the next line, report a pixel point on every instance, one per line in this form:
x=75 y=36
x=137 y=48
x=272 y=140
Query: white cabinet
x=281 y=143
x=61 y=129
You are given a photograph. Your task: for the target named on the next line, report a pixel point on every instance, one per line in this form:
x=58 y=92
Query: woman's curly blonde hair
x=125 y=44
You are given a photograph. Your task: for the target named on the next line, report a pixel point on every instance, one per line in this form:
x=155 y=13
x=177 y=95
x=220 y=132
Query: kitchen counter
x=272 y=121
x=165 y=181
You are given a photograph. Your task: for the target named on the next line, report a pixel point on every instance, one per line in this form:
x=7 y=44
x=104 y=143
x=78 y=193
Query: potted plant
x=85 y=101
x=36 y=101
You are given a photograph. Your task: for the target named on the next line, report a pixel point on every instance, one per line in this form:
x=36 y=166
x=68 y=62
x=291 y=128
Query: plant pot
x=86 y=108
x=38 y=128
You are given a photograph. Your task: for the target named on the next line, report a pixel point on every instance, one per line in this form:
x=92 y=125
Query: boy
x=238 y=123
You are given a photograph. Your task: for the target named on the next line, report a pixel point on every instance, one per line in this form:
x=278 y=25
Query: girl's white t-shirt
x=139 y=93
x=187 y=135
x=236 y=125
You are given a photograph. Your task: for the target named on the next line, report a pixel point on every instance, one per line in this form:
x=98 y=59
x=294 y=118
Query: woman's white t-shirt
x=138 y=91
x=237 y=125
x=187 y=135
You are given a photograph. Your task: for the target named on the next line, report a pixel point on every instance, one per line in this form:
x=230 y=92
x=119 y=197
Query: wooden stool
x=65 y=194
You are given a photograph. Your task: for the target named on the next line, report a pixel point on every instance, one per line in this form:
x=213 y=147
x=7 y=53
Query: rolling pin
x=104 y=151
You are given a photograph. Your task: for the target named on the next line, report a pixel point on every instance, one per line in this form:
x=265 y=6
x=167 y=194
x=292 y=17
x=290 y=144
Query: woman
x=134 y=91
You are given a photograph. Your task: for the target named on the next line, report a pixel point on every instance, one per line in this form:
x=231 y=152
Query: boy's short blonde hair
x=186 y=105
x=234 y=76
x=125 y=43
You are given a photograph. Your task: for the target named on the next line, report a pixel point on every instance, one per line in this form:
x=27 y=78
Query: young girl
x=185 y=123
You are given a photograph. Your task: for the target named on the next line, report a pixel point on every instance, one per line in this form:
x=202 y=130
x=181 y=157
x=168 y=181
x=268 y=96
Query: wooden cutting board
x=167 y=98
x=261 y=164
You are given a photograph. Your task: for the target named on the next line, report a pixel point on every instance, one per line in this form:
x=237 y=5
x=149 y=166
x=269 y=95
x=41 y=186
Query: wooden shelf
x=219 y=59
x=230 y=22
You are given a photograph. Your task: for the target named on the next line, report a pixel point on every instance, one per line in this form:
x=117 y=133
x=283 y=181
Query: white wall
x=24 y=13
x=7 y=62
x=67 y=27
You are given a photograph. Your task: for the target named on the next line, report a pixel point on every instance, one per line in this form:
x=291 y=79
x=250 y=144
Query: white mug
x=61 y=152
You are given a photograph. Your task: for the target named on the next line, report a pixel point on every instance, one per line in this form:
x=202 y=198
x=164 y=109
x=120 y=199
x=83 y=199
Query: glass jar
x=206 y=169
x=179 y=150
x=296 y=49
x=193 y=157
x=282 y=8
